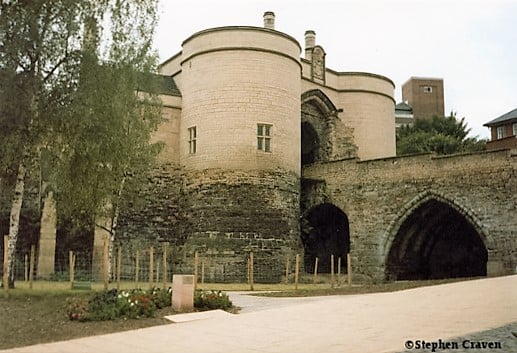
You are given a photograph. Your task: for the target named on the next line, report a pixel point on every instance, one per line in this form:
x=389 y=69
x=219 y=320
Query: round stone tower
x=240 y=148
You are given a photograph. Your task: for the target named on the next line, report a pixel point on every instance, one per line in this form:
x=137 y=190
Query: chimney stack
x=310 y=42
x=269 y=20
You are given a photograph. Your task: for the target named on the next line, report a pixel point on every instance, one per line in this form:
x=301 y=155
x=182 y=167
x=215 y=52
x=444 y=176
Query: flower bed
x=138 y=303
x=113 y=304
x=211 y=300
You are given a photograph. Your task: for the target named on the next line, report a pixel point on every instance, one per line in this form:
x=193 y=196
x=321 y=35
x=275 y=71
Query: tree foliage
x=76 y=85
x=107 y=128
x=441 y=135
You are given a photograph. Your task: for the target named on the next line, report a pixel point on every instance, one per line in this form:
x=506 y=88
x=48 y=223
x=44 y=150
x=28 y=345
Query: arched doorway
x=310 y=144
x=318 y=120
x=436 y=241
x=325 y=232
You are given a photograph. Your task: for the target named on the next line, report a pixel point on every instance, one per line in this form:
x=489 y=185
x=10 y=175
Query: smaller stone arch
x=318 y=127
x=325 y=231
x=433 y=224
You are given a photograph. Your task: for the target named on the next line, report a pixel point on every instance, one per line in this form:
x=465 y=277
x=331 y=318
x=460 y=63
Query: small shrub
x=77 y=310
x=210 y=300
x=104 y=306
x=113 y=304
x=162 y=298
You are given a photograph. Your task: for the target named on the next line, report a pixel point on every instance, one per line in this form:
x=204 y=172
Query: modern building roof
x=403 y=107
x=511 y=115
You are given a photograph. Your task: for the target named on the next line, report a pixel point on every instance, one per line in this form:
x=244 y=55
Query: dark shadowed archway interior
x=310 y=144
x=436 y=241
x=325 y=232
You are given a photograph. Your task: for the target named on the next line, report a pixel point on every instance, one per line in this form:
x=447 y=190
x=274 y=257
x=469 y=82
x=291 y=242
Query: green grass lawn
x=39 y=315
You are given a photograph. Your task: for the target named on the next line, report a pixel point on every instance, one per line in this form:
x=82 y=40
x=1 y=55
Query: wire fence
x=155 y=266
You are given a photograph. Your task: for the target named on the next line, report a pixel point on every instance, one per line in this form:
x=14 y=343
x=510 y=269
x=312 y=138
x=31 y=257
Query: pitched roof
x=168 y=86
x=511 y=115
x=403 y=107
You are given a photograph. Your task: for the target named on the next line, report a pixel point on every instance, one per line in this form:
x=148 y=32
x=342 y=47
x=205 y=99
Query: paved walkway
x=380 y=322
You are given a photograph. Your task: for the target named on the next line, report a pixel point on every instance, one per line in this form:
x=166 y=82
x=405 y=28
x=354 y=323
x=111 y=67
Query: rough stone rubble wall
x=229 y=214
x=222 y=215
x=376 y=194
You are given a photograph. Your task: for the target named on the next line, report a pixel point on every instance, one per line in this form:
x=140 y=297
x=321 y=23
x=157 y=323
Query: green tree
x=70 y=75
x=441 y=135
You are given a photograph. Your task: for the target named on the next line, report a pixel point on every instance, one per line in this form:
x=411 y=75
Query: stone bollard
x=183 y=292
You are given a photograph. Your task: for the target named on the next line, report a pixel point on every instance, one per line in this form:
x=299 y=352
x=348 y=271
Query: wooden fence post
x=315 y=271
x=349 y=269
x=71 y=264
x=296 y=271
x=287 y=270
x=105 y=262
x=5 y=278
x=332 y=271
x=151 y=266
x=251 y=271
x=157 y=276
x=248 y=270
x=203 y=271
x=196 y=265
x=119 y=265
x=137 y=268
x=26 y=268
x=31 y=265
x=339 y=271
x=164 y=266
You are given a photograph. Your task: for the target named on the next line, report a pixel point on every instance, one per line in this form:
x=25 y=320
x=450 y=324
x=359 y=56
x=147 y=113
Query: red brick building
x=503 y=131
x=425 y=96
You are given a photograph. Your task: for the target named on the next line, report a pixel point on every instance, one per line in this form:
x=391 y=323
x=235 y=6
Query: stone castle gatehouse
x=276 y=154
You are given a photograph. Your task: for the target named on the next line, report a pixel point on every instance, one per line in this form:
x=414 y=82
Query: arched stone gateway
x=325 y=232
x=436 y=239
x=324 y=137
x=318 y=115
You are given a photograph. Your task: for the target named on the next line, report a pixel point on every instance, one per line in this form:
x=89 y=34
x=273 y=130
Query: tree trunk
x=14 y=220
x=19 y=188
x=114 y=211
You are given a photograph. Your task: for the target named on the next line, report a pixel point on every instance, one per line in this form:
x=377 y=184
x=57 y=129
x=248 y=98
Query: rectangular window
x=264 y=137
x=192 y=137
x=514 y=129
x=428 y=89
x=500 y=132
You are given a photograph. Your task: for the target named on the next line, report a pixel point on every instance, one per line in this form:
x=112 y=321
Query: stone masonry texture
x=378 y=195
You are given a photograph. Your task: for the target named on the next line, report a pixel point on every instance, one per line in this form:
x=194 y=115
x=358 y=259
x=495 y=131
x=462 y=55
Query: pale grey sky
x=471 y=44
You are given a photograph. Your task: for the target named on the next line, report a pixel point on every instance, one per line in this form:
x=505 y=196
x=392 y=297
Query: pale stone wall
x=168 y=131
x=361 y=81
x=240 y=37
x=172 y=65
x=227 y=92
x=373 y=120
x=368 y=108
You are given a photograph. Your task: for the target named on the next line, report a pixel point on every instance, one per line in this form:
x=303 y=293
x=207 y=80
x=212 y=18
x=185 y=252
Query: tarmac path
x=481 y=311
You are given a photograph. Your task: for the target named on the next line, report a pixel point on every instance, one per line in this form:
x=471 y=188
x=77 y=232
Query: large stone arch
x=431 y=222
